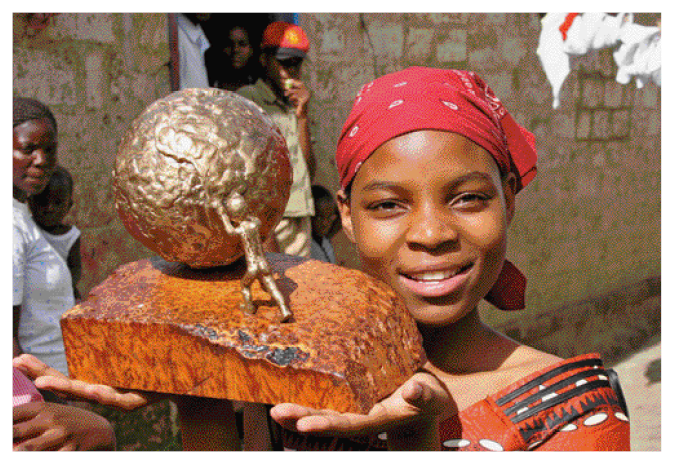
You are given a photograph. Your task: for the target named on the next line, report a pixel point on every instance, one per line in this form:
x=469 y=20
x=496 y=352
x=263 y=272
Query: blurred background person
x=234 y=62
x=324 y=224
x=49 y=208
x=42 y=285
x=281 y=92
x=192 y=45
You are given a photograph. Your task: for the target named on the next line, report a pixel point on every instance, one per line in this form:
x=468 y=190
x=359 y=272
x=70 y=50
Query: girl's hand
x=48 y=378
x=41 y=426
x=410 y=416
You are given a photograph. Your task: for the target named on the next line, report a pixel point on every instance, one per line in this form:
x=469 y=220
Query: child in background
x=49 y=208
x=324 y=224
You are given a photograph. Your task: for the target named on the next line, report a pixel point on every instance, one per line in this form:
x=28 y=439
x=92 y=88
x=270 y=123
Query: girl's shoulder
x=510 y=362
x=543 y=408
x=526 y=360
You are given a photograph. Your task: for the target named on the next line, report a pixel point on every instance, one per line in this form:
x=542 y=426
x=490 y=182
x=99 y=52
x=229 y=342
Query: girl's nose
x=431 y=228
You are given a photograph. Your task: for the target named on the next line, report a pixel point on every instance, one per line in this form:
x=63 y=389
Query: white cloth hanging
x=566 y=34
x=550 y=51
x=639 y=55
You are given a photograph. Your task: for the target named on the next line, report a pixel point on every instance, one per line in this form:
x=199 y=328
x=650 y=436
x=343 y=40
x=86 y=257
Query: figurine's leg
x=247 y=304
x=270 y=285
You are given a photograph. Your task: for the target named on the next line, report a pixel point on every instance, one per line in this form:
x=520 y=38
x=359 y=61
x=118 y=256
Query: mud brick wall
x=96 y=72
x=588 y=226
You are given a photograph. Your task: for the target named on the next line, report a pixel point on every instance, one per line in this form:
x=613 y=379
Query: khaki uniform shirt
x=301 y=202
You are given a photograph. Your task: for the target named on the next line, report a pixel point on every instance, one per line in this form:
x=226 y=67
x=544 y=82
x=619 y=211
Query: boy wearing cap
x=282 y=94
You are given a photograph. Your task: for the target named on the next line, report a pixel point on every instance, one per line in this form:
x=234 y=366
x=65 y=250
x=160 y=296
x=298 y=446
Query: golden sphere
x=189 y=151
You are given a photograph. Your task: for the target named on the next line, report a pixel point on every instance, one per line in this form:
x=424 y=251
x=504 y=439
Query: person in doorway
x=192 y=46
x=234 y=63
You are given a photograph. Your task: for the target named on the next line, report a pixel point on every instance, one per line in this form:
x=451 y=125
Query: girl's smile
x=430 y=283
x=429 y=211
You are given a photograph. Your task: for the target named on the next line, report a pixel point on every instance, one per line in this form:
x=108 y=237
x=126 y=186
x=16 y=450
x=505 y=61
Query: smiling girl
x=429 y=163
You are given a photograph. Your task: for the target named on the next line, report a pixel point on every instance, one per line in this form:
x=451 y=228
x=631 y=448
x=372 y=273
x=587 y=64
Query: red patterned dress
x=573 y=405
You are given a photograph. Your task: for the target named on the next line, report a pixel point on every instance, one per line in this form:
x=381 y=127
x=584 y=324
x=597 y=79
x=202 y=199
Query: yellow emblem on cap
x=293 y=37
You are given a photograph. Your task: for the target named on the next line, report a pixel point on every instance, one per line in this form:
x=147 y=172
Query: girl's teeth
x=434 y=276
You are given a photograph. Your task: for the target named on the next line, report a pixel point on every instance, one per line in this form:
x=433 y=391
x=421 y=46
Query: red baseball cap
x=289 y=40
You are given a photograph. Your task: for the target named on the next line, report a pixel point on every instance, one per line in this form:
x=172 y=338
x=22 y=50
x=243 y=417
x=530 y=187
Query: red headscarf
x=455 y=101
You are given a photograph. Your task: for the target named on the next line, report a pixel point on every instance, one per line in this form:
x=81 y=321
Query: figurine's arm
x=229 y=227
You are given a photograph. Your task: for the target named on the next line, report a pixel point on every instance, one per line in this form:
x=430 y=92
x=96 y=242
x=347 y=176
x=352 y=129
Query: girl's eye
x=470 y=201
x=384 y=208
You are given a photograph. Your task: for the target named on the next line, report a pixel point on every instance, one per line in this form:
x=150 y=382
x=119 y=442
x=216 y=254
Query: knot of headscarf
x=436 y=99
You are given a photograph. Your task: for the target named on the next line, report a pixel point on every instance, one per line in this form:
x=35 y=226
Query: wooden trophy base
x=164 y=327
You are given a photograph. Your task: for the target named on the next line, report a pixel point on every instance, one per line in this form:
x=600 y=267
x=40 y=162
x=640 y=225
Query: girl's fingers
x=340 y=425
x=327 y=422
x=33 y=367
x=422 y=396
x=426 y=394
x=102 y=394
x=69 y=446
x=287 y=414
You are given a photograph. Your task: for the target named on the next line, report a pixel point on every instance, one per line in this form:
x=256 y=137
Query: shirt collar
x=268 y=94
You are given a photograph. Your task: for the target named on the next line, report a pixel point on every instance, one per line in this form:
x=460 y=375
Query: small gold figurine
x=235 y=211
x=202 y=178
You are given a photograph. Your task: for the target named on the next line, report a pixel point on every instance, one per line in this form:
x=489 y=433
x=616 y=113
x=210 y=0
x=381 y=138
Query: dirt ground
x=640 y=379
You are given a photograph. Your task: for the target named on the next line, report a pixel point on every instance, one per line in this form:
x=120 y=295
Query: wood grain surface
x=164 y=327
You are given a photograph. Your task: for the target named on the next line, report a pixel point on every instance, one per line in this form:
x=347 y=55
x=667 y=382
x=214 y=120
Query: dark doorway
x=217 y=29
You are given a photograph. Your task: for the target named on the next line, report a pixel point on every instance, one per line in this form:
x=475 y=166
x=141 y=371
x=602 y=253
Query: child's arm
x=50 y=426
x=207 y=424
x=409 y=416
x=256 y=433
x=48 y=378
x=75 y=267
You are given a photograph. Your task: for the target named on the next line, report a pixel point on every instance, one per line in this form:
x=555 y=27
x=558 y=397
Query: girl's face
x=428 y=213
x=33 y=155
x=238 y=48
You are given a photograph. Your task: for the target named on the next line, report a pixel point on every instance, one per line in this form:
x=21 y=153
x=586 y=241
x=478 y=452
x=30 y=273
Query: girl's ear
x=344 y=205
x=509 y=190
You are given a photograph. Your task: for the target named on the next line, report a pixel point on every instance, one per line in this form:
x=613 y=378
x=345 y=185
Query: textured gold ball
x=188 y=151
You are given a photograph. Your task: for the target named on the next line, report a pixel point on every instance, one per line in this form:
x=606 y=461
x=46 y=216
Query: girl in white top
x=42 y=286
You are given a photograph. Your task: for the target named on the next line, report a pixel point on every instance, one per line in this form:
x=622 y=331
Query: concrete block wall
x=589 y=223
x=96 y=72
